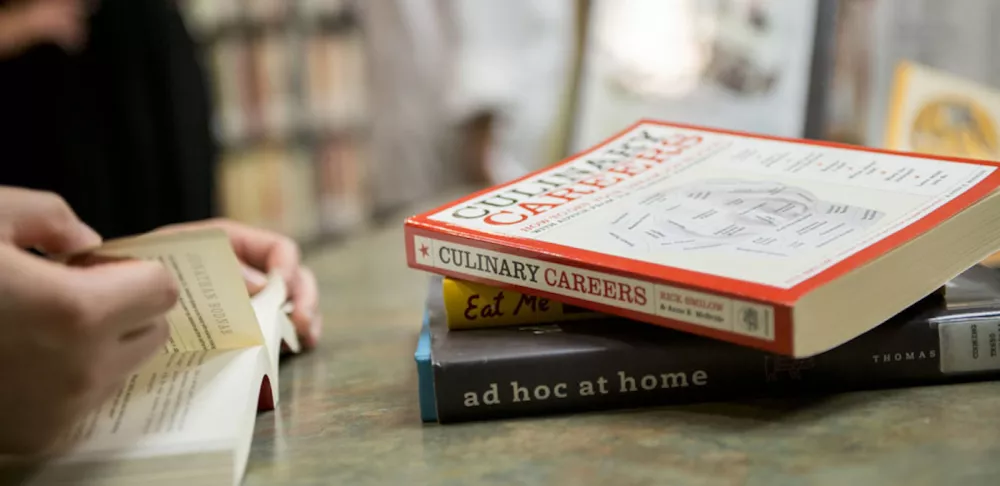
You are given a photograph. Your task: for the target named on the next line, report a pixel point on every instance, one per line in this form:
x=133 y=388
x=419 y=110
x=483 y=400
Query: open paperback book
x=188 y=414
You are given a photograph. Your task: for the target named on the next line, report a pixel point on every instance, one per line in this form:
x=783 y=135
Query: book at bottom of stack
x=491 y=353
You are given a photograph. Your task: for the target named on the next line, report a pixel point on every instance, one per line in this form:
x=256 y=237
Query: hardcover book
x=187 y=415
x=613 y=363
x=789 y=246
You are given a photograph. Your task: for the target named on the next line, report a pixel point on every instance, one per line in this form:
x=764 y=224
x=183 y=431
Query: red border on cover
x=782 y=342
x=696 y=280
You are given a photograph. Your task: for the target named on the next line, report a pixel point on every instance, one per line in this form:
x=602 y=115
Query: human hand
x=262 y=252
x=26 y=23
x=69 y=336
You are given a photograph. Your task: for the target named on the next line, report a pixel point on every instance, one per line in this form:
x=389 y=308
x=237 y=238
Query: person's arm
x=25 y=24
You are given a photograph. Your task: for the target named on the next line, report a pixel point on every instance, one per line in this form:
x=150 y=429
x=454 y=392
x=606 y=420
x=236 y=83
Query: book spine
x=760 y=325
x=469 y=305
x=915 y=354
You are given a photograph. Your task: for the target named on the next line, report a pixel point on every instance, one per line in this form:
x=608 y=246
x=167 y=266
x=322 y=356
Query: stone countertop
x=349 y=415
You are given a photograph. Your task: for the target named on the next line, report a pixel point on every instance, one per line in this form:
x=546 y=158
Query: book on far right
x=935 y=112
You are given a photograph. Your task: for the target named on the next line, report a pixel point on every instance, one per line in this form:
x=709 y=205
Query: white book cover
x=730 y=224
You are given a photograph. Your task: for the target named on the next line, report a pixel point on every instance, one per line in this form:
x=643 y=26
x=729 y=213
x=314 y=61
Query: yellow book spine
x=470 y=305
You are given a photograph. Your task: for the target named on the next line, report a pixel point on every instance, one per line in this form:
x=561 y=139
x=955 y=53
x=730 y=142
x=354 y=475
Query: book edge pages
x=268 y=307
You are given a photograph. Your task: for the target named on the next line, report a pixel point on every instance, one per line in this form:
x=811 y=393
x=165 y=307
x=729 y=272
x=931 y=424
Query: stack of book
x=680 y=264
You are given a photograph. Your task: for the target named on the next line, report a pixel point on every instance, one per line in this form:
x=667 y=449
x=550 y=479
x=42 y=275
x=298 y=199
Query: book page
x=214 y=310
x=277 y=328
x=270 y=305
x=758 y=210
x=176 y=403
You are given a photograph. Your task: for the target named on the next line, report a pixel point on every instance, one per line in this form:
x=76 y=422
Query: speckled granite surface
x=349 y=416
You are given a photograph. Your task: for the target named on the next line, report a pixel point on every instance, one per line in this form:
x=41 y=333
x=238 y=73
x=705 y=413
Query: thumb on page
x=255 y=279
x=126 y=293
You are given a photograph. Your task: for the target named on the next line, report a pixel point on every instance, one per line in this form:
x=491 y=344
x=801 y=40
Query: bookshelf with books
x=289 y=85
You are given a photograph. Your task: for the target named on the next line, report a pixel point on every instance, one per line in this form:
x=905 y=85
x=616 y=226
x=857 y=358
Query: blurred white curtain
x=437 y=63
x=512 y=58
x=411 y=153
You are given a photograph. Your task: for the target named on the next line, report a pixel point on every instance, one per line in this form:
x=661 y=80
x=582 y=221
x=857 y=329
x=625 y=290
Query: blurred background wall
x=331 y=114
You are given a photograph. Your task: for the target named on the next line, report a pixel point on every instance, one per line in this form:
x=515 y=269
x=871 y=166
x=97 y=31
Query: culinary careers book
x=785 y=245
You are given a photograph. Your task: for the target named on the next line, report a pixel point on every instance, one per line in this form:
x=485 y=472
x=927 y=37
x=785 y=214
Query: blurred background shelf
x=289 y=85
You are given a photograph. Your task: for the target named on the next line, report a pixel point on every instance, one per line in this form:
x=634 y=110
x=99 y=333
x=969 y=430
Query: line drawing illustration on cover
x=737 y=215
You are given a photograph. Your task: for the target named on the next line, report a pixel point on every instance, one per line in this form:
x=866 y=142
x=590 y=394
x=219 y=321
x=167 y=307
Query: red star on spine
x=424 y=250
